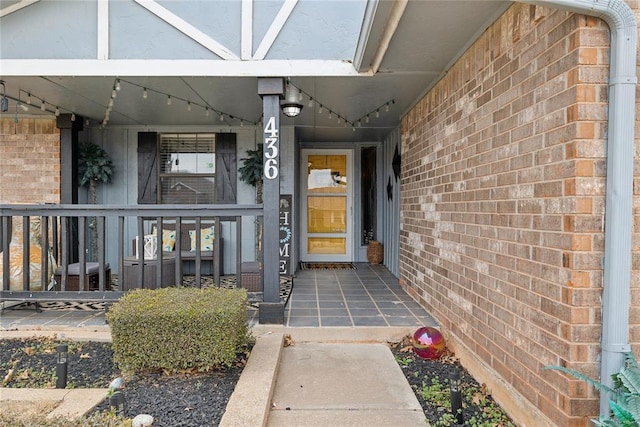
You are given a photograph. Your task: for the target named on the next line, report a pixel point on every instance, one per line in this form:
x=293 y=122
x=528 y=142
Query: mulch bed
x=176 y=400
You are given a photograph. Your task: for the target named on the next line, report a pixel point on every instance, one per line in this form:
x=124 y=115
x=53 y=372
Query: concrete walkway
x=323 y=377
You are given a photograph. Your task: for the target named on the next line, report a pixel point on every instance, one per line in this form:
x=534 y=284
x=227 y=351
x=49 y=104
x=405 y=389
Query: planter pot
x=375 y=252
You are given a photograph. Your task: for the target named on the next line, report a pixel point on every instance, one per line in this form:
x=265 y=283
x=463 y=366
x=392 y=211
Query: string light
x=188 y=106
x=117 y=84
x=206 y=111
x=367 y=117
x=43 y=106
x=144 y=93
x=113 y=92
x=73 y=116
x=29 y=99
x=221 y=117
x=168 y=99
x=57 y=112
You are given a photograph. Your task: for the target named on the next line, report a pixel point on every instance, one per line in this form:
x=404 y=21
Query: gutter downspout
x=614 y=340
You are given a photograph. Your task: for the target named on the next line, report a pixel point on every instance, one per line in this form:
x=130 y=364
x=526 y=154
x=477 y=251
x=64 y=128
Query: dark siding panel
x=226 y=168
x=147 y=168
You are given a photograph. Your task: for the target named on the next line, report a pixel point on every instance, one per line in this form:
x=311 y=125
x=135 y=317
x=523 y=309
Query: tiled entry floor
x=366 y=296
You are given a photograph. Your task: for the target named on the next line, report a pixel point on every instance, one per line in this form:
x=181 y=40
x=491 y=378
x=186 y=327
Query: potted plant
x=94 y=165
x=251 y=173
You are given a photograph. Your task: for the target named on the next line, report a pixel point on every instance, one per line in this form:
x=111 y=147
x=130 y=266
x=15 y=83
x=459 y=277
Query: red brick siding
x=503 y=183
x=29 y=161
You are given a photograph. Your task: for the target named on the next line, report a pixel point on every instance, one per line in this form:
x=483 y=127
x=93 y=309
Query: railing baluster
x=5 y=253
x=101 y=255
x=26 y=255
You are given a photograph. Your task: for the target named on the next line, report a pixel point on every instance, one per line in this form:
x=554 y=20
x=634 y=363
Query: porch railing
x=65 y=237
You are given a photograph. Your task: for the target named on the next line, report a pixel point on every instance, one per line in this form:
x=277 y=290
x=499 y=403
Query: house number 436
x=271 y=149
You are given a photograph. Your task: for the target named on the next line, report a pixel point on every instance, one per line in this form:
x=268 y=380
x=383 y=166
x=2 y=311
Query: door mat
x=227 y=282
x=327 y=266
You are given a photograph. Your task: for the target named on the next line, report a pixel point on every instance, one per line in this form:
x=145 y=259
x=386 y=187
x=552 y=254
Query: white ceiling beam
x=275 y=28
x=172 y=67
x=247 y=30
x=16 y=6
x=103 y=29
x=187 y=29
x=390 y=29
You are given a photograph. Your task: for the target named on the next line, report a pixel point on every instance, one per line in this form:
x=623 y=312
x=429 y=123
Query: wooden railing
x=65 y=236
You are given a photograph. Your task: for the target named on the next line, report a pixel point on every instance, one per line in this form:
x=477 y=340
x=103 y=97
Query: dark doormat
x=327 y=266
x=227 y=282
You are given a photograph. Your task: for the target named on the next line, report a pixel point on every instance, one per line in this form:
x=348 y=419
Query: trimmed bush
x=178 y=329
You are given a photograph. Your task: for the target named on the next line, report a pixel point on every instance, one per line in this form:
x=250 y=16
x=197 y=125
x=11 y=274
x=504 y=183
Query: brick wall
x=503 y=182
x=29 y=161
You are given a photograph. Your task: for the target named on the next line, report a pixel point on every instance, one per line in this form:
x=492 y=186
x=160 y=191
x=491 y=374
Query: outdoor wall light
x=4 y=102
x=291 y=107
x=61 y=365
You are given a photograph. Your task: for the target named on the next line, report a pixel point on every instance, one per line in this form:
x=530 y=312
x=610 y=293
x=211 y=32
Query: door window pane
x=327 y=245
x=326 y=214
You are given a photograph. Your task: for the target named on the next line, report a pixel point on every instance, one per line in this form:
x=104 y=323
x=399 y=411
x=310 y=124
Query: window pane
x=326 y=245
x=187 y=168
x=187 y=189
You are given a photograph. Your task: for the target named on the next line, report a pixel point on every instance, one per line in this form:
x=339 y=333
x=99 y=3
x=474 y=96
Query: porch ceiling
x=429 y=36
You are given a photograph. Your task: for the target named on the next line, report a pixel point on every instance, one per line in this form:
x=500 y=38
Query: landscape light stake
x=61 y=366
x=116 y=401
x=456 y=396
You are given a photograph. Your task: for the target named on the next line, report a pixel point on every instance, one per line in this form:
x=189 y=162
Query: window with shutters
x=187 y=169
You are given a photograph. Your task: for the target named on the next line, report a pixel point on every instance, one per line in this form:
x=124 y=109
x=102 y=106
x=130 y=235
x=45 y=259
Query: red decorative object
x=428 y=343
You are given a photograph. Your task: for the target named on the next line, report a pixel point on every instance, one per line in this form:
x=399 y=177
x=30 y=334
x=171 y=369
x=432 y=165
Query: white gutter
x=614 y=340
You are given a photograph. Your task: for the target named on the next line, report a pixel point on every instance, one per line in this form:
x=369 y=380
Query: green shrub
x=178 y=329
x=624 y=400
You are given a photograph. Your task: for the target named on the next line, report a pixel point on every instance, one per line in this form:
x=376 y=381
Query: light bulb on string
x=189 y=106
x=110 y=104
x=329 y=114
x=206 y=111
x=144 y=93
x=320 y=109
x=310 y=102
x=113 y=92
x=118 y=84
x=168 y=99
x=241 y=123
x=221 y=117
x=73 y=116
x=28 y=99
x=386 y=108
x=367 y=119
x=377 y=114
x=57 y=112
x=43 y=106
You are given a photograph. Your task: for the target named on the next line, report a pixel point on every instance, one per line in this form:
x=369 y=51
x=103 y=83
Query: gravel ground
x=177 y=400
x=429 y=379
x=200 y=399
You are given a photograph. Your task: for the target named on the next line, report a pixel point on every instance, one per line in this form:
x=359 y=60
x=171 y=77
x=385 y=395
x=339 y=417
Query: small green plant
x=624 y=397
x=403 y=360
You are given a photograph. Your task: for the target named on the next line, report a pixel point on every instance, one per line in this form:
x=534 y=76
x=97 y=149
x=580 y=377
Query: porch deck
x=366 y=296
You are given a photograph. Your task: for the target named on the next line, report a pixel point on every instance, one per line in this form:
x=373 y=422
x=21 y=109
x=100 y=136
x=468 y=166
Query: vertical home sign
x=285 y=235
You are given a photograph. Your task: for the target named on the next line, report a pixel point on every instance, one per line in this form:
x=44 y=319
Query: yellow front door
x=326 y=212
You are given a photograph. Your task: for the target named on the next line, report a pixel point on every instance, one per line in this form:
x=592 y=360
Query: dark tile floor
x=368 y=295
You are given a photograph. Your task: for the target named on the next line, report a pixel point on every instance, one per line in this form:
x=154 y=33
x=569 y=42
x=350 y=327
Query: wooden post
x=271 y=90
x=69 y=173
